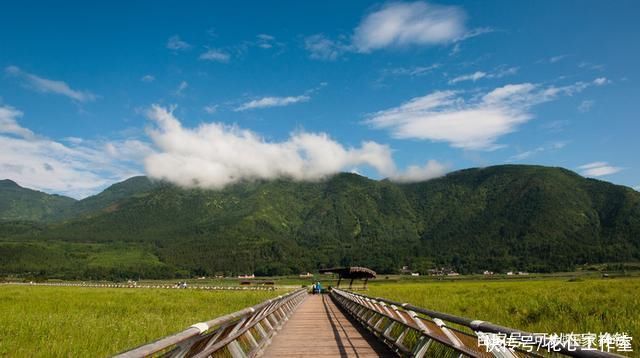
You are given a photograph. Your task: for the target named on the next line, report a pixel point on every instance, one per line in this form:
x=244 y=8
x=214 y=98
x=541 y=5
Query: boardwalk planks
x=320 y=329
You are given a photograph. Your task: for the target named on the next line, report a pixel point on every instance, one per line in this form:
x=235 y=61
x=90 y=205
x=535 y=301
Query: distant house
x=522 y=273
x=510 y=273
x=487 y=273
x=415 y=274
x=247 y=276
x=306 y=275
x=442 y=271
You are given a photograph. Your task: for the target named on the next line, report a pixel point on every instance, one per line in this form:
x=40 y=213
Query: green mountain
x=498 y=218
x=18 y=203
x=108 y=199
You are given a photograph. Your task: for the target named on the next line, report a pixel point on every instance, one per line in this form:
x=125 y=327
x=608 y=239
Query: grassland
x=72 y=321
x=98 y=322
x=539 y=305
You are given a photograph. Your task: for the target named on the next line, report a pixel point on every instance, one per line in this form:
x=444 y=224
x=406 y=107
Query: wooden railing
x=240 y=334
x=413 y=331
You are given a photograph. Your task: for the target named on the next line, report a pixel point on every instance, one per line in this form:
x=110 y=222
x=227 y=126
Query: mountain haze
x=499 y=218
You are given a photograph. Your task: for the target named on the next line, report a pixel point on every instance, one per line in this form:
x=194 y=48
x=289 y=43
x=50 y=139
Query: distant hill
x=510 y=217
x=18 y=203
x=109 y=198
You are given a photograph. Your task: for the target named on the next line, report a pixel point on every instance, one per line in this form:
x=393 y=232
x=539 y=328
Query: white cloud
x=636 y=188
x=266 y=41
x=148 y=78
x=45 y=85
x=412 y=71
x=530 y=153
x=211 y=109
x=586 y=105
x=470 y=77
x=176 y=44
x=591 y=66
x=214 y=155
x=555 y=59
x=398 y=25
x=474 y=122
x=598 y=169
x=322 y=48
x=215 y=55
x=474 y=33
x=480 y=75
x=405 y=24
x=181 y=88
x=601 y=81
x=9 y=123
x=432 y=169
x=78 y=169
x=266 y=102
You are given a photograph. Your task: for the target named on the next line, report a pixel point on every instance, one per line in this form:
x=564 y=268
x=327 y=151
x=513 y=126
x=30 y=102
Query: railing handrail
x=218 y=323
x=477 y=325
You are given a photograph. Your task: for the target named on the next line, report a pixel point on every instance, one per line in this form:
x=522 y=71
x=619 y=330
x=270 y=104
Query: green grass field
x=73 y=321
x=544 y=305
x=45 y=321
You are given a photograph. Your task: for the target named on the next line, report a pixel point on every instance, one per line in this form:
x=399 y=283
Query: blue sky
x=206 y=93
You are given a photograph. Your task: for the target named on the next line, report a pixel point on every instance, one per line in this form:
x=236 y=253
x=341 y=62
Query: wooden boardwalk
x=318 y=328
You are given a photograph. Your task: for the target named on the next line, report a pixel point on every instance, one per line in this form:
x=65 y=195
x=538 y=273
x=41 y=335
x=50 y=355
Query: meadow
x=40 y=321
x=97 y=322
x=539 y=305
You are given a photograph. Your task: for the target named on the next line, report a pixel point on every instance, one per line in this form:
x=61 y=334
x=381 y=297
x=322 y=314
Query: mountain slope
x=498 y=218
x=109 y=198
x=18 y=203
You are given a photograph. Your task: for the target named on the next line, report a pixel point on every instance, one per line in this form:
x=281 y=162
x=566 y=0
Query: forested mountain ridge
x=18 y=203
x=498 y=218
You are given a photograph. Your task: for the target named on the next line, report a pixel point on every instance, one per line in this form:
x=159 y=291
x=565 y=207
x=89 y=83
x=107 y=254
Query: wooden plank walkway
x=318 y=328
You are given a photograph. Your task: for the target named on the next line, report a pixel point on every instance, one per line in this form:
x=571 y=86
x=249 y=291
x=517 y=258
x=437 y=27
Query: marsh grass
x=551 y=305
x=99 y=322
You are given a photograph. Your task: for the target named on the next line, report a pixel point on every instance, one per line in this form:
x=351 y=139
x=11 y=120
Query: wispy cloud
x=397 y=25
x=215 y=56
x=470 y=77
x=474 y=122
x=414 y=173
x=78 y=168
x=484 y=75
x=46 y=85
x=266 y=102
x=266 y=41
x=586 y=105
x=211 y=109
x=175 y=43
x=601 y=81
x=406 y=24
x=214 y=155
x=148 y=78
x=9 y=123
x=323 y=48
x=553 y=59
x=591 y=66
x=181 y=88
x=411 y=71
x=598 y=169
x=530 y=153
